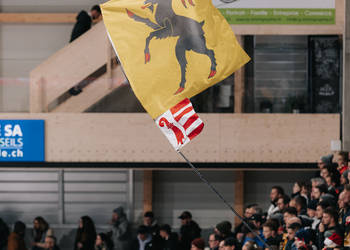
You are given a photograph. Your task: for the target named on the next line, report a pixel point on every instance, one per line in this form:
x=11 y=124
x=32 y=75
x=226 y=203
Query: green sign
x=279 y=16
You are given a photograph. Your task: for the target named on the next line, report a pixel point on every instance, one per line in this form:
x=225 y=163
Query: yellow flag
x=171 y=49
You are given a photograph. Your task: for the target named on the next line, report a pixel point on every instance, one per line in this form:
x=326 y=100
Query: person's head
x=276 y=192
x=317 y=181
x=214 y=241
x=164 y=231
x=86 y=224
x=230 y=244
x=305 y=188
x=118 y=213
x=283 y=202
x=142 y=232
x=197 y=244
x=148 y=218
x=19 y=228
x=250 y=245
x=342 y=158
x=318 y=191
x=269 y=229
x=95 y=12
x=299 y=203
x=341 y=203
x=330 y=217
x=185 y=217
x=100 y=239
x=288 y=213
x=293 y=220
x=50 y=242
x=257 y=220
x=292 y=230
x=223 y=228
x=40 y=224
x=344 y=178
x=325 y=161
x=250 y=210
x=321 y=206
x=311 y=208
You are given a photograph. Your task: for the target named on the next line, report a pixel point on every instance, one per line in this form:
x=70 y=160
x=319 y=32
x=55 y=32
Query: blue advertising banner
x=22 y=140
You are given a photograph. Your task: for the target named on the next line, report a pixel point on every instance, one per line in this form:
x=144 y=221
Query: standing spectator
x=152 y=228
x=50 y=243
x=214 y=241
x=143 y=240
x=103 y=242
x=197 y=244
x=86 y=234
x=41 y=229
x=4 y=234
x=82 y=25
x=170 y=240
x=276 y=192
x=189 y=230
x=120 y=229
x=16 y=238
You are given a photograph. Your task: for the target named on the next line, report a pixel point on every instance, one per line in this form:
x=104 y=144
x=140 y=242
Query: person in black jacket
x=82 y=25
x=143 y=240
x=86 y=234
x=170 y=240
x=188 y=231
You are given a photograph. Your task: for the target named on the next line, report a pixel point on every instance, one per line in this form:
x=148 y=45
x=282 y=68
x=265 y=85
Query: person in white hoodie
x=275 y=194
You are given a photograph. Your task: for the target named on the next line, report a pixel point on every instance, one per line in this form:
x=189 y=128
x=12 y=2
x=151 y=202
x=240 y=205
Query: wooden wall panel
x=246 y=138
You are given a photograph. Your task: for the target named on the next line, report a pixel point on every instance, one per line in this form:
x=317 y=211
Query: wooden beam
x=239 y=194
x=38 y=17
x=147 y=190
x=239 y=84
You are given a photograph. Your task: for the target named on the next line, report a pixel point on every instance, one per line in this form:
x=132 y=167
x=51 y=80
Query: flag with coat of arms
x=171 y=50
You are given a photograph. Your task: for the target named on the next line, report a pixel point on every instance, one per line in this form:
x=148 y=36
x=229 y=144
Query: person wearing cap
x=197 y=244
x=143 y=240
x=170 y=239
x=120 y=229
x=189 y=230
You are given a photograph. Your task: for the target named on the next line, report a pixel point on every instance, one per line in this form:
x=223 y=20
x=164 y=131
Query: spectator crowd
x=314 y=215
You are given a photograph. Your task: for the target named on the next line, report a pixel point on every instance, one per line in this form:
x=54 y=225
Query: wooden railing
x=71 y=65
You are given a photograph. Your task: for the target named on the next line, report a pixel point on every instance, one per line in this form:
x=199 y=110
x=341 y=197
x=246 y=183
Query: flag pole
x=222 y=198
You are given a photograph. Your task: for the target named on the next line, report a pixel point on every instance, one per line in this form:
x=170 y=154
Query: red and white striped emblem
x=180 y=124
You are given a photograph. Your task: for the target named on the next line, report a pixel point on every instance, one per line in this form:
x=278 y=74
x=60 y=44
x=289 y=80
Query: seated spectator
x=197 y=244
x=252 y=235
x=189 y=230
x=170 y=240
x=270 y=233
x=299 y=202
x=311 y=212
x=86 y=234
x=330 y=233
x=223 y=229
x=291 y=235
x=41 y=230
x=344 y=178
x=250 y=245
x=342 y=159
x=103 y=242
x=50 y=243
x=248 y=212
x=318 y=191
x=276 y=192
x=143 y=240
x=230 y=244
x=214 y=241
x=16 y=238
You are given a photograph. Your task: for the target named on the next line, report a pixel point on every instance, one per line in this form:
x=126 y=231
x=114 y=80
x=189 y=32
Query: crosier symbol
x=178 y=133
x=168 y=24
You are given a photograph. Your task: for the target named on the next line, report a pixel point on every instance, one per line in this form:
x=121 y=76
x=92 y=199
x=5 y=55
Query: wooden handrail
x=68 y=67
x=38 y=17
